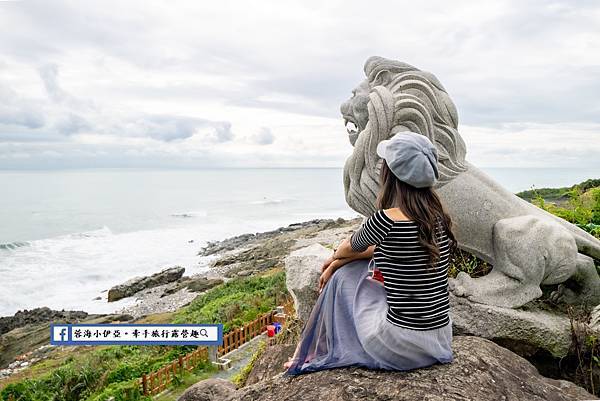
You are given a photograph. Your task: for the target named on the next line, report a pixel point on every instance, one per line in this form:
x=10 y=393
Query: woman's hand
x=325 y=276
x=332 y=264
x=328 y=271
x=327 y=263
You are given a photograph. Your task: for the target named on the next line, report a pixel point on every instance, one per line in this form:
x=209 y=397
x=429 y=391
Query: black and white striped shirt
x=417 y=295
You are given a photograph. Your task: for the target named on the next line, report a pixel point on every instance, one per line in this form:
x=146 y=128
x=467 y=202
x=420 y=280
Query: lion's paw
x=564 y=294
x=480 y=299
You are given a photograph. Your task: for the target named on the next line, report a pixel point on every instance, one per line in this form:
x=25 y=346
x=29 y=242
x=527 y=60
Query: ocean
x=67 y=236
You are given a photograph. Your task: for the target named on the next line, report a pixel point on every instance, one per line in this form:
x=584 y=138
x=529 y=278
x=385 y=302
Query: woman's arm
x=345 y=251
x=339 y=262
x=371 y=233
x=368 y=254
x=331 y=265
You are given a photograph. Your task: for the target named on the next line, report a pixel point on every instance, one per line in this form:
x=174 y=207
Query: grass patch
x=240 y=378
x=97 y=375
x=580 y=204
x=157 y=318
x=240 y=300
x=59 y=357
x=464 y=261
x=558 y=194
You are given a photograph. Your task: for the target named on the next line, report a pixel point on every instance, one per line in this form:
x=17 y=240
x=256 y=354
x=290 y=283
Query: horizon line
x=255 y=168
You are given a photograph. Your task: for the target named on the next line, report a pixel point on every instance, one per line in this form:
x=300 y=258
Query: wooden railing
x=240 y=335
x=157 y=381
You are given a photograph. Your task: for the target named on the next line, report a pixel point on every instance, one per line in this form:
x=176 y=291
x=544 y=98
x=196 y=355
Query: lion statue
x=527 y=246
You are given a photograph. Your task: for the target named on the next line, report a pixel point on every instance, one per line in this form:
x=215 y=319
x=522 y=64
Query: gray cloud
x=144 y=72
x=264 y=136
x=71 y=123
x=67 y=115
x=169 y=128
x=223 y=132
x=17 y=111
x=49 y=75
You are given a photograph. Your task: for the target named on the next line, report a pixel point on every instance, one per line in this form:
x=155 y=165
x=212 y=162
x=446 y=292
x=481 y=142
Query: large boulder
x=303 y=269
x=138 y=284
x=193 y=284
x=270 y=362
x=38 y=315
x=481 y=370
x=209 y=389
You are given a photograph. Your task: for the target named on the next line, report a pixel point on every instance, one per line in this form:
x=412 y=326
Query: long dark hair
x=421 y=205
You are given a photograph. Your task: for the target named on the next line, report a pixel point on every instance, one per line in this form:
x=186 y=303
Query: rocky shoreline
x=241 y=255
x=24 y=336
x=238 y=256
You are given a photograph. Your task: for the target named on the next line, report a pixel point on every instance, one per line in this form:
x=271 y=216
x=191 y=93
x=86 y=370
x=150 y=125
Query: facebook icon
x=59 y=334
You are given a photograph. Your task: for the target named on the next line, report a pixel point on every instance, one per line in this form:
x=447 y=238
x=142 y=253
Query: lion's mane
x=402 y=97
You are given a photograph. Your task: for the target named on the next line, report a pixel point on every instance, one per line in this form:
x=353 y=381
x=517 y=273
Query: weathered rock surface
x=270 y=363
x=262 y=251
x=193 y=284
x=524 y=332
x=303 y=269
x=209 y=389
x=137 y=284
x=595 y=319
x=37 y=315
x=481 y=371
x=234 y=243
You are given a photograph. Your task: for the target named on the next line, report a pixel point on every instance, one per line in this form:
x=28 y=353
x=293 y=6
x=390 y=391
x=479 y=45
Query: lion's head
x=396 y=97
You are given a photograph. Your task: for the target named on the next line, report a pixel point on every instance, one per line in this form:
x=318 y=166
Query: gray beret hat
x=411 y=157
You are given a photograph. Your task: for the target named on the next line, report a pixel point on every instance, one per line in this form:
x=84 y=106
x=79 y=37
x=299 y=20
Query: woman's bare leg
x=292 y=358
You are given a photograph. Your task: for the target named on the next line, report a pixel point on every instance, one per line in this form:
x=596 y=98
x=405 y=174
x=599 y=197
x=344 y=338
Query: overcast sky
x=259 y=83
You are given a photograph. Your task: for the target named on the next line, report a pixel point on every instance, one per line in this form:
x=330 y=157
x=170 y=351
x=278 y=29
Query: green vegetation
x=107 y=371
x=464 y=261
x=557 y=194
x=237 y=301
x=579 y=204
x=240 y=379
x=113 y=371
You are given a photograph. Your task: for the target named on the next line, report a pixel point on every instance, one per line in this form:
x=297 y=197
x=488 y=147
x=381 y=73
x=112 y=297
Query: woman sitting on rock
x=398 y=318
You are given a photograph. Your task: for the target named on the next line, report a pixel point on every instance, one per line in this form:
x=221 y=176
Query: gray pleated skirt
x=347 y=326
